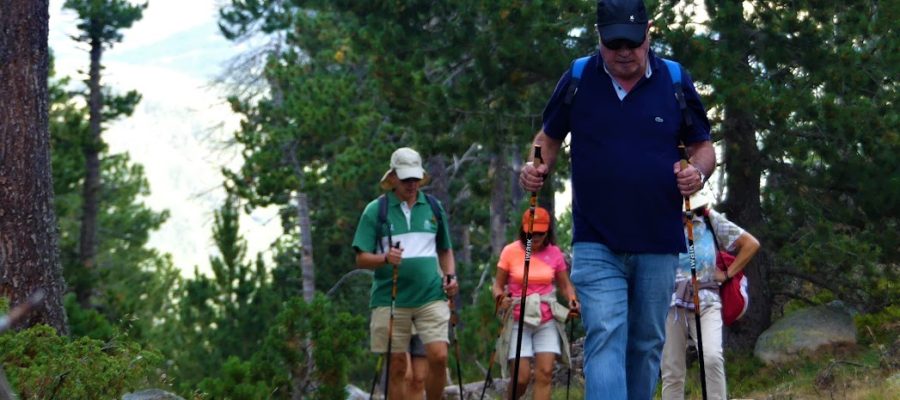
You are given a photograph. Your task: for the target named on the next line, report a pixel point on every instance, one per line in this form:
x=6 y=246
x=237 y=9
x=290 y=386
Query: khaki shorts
x=430 y=321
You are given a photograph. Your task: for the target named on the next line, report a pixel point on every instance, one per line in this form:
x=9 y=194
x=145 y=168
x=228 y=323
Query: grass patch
x=868 y=371
x=837 y=373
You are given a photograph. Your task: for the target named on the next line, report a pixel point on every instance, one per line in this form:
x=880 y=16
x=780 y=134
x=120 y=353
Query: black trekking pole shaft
x=395 y=272
x=453 y=321
x=375 y=378
x=487 y=377
x=529 y=234
x=571 y=364
x=694 y=286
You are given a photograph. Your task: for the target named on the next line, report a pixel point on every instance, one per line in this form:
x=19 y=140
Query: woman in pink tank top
x=547 y=270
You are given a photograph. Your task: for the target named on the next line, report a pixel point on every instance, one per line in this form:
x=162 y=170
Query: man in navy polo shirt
x=627 y=185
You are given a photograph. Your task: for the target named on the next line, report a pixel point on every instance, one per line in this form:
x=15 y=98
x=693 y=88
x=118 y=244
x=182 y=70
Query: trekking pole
x=569 y=373
x=453 y=320
x=375 y=378
x=487 y=377
x=529 y=234
x=689 y=214
x=387 y=381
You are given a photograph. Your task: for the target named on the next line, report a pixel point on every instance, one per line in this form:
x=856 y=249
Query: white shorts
x=543 y=339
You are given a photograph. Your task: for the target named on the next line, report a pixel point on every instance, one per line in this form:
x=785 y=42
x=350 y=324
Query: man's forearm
x=549 y=148
x=703 y=157
x=370 y=260
x=447 y=262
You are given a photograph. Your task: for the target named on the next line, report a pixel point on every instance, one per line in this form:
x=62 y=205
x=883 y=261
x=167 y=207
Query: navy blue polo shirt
x=624 y=193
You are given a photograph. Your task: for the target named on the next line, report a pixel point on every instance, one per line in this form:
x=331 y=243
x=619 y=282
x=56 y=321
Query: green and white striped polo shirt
x=419 y=280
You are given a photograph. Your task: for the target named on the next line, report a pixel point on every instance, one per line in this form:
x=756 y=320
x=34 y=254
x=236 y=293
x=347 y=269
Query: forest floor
x=869 y=371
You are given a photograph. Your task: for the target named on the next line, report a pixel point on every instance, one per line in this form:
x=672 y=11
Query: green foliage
x=742 y=371
x=100 y=24
x=240 y=333
x=563 y=231
x=219 y=317
x=478 y=332
x=464 y=82
x=828 y=374
x=803 y=95
x=336 y=338
x=103 y=20
x=87 y=322
x=133 y=281
x=235 y=383
x=881 y=328
x=42 y=365
x=358 y=79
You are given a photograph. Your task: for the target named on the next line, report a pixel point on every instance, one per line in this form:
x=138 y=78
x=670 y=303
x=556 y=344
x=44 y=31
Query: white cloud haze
x=179 y=129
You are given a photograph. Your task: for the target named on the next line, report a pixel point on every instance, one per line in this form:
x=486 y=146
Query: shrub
x=41 y=365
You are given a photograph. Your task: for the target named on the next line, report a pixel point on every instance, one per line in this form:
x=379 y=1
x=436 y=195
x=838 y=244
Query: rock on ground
x=806 y=331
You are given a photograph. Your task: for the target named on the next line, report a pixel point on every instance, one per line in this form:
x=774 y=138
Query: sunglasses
x=410 y=180
x=619 y=44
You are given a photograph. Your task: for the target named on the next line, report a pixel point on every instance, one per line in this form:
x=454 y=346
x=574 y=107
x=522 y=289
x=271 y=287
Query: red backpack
x=733 y=292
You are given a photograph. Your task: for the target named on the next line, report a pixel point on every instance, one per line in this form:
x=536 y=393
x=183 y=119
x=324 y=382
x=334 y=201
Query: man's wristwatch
x=450 y=276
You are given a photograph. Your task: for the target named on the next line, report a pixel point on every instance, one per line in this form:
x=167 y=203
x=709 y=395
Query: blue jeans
x=624 y=301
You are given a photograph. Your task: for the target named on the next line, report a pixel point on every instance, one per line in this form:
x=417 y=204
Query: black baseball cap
x=621 y=19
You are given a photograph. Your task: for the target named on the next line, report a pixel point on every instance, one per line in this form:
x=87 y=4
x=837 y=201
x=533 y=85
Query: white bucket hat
x=406 y=163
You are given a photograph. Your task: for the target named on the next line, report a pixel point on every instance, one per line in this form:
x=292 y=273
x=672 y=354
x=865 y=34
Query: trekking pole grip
x=682 y=152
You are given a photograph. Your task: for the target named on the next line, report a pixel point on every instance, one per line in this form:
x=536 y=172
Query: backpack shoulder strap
x=435 y=208
x=577 y=70
x=382 y=222
x=675 y=72
x=708 y=222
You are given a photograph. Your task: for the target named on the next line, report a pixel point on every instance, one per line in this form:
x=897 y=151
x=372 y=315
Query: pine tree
x=101 y=24
x=801 y=94
x=29 y=257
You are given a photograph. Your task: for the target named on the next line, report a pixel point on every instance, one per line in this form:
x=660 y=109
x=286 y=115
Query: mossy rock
x=805 y=331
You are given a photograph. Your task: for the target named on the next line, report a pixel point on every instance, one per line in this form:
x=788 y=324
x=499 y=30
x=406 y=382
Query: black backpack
x=382 y=222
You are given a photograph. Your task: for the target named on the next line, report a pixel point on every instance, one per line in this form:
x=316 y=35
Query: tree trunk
x=308 y=273
x=464 y=255
x=498 y=173
x=91 y=190
x=307 y=265
x=516 y=193
x=743 y=169
x=29 y=253
x=439 y=185
x=440 y=189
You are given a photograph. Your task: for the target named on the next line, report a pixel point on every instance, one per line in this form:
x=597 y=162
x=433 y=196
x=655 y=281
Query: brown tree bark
x=743 y=172
x=91 y=189
x=500 y=191
x=743 y=169
x=307 y=266
x=29 y=253
x=301 y=375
